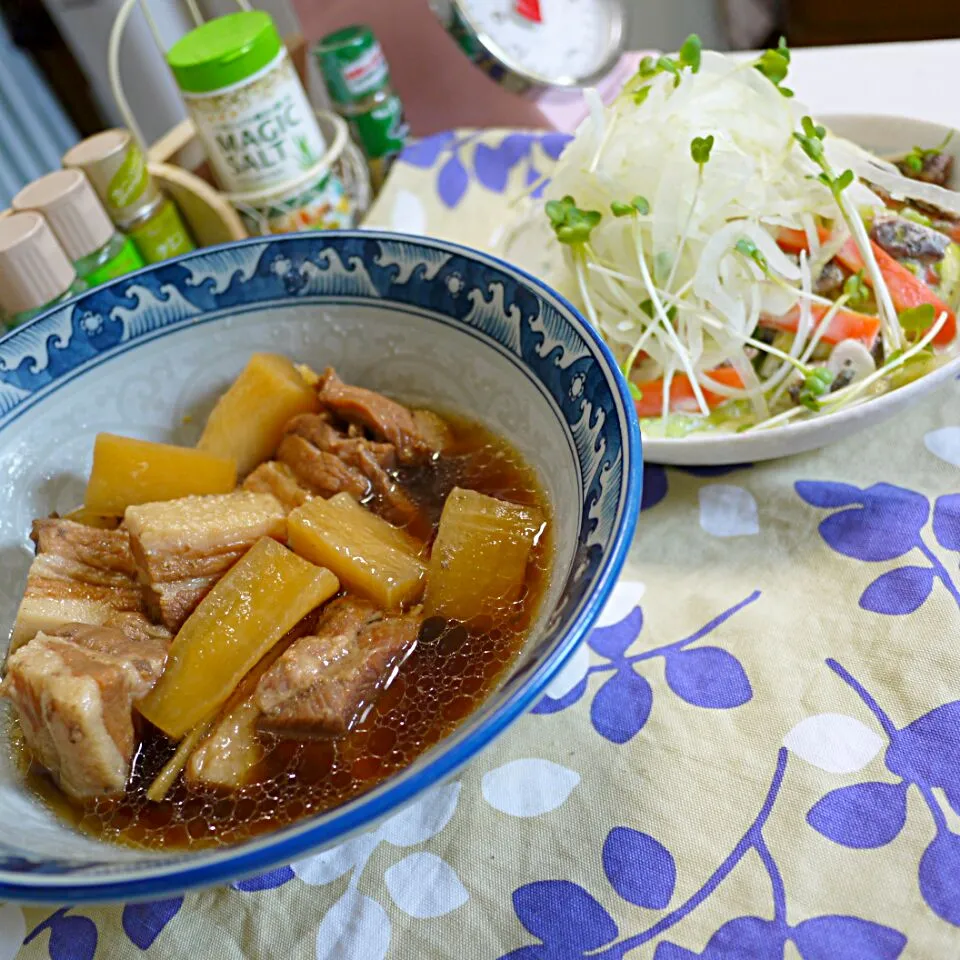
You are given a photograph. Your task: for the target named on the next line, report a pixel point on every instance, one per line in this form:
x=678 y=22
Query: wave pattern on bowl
x=453 y=324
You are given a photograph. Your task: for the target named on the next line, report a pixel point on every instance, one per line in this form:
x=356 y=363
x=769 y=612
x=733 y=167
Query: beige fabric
x=550 y=800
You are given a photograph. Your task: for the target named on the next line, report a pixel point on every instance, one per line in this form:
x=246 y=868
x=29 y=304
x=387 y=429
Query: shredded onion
x=705 y=260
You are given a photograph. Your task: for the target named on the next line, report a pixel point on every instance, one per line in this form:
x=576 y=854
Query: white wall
x=149 y=88
x=280 y=10
x=665 y=24
x=153 y=97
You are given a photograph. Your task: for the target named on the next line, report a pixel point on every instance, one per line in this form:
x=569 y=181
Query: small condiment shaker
x=35 y=271
x=116 y=167
x=76 y=215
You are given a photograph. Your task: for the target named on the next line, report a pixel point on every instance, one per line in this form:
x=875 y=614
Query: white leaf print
x=623 y=598
x=424 y=885
x=945 y=444
x=328 y=866
x=833 y=742
x=728 y=511
x=423 y=819
x=528 y=788
x=12 y=930
x=355 y=928
x=408 y=215
x=574 y=670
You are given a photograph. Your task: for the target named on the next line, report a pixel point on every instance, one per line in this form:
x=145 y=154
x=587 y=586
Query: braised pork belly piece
x=183 y=547
x=279 y=481
x=417 y=435
x=322 y=683
x=74 y=691
x=317 y=687
x=228 y=753
x=81 y=574
x=328 y=461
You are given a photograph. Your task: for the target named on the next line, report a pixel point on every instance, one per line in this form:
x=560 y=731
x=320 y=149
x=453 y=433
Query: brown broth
x=450 y=673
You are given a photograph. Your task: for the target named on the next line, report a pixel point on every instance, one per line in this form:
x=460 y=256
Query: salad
x=747 y=267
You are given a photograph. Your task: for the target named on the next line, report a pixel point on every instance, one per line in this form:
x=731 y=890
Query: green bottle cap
x=352 y=64
x=224 y=51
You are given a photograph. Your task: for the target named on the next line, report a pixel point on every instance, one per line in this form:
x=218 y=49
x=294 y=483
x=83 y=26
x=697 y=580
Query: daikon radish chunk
x=260 y=598
x=247 y=422
x=128 y=472
x=369 y=555
x=479 y=559
x=369 y=522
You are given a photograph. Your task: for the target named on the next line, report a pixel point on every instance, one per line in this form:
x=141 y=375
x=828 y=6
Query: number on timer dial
x=554 y=41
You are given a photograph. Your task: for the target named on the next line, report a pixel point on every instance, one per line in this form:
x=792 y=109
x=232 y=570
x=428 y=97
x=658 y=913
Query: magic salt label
x=247 y=102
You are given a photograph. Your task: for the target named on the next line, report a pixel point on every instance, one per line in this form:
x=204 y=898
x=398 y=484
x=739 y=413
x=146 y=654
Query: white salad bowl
x=429 y=321
x=529 y=242
x=885 y=136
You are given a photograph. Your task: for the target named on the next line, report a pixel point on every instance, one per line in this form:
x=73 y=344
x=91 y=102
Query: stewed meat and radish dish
x=228 y=637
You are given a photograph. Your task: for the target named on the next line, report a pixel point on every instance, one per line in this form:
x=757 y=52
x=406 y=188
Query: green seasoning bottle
x=35 y=273
x=358 y=80
x=115 y=166
x=247 y=102
x=82 y=226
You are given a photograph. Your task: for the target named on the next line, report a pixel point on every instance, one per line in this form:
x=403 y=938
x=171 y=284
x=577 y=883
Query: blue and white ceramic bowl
x=425 y=319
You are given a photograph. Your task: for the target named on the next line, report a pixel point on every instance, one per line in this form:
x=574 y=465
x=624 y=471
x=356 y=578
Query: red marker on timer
x=529 y=10
x=540 y=43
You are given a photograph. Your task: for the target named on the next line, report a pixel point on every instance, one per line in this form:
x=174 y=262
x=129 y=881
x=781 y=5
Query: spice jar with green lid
x=357 y=78
x=247 y=102
x=115 y=165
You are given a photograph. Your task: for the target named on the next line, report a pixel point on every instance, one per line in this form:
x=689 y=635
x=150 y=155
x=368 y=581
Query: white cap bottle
x=73 y=209
x=35 y=271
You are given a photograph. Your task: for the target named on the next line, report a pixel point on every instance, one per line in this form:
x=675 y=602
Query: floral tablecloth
x=756 y=755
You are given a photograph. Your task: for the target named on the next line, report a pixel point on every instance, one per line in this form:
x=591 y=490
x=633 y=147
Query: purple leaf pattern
x=828 y=495
x=458 y=161
x=927 y=751
x=71 y=937
x=265 y=881
x=746 y=938
x=144 y=922
x=424 y=153
x=706 y=677
x=898 y=591
x=622 y=705
x=924 y=753
x=946 y=521
x=884 y=526
x=939 y=875
x=553 y=144
x=639 y=868
x=559 y=912
x=862 y=816
x=847 y=938
x=613 y=642
x=452 y=181
x=655 y=486
x=884 y=522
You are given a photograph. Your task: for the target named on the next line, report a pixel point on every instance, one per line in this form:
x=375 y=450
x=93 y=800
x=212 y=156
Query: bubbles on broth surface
x=451 y=671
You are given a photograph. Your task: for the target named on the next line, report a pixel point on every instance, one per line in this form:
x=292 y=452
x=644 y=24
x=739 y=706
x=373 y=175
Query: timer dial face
x=558 y=42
